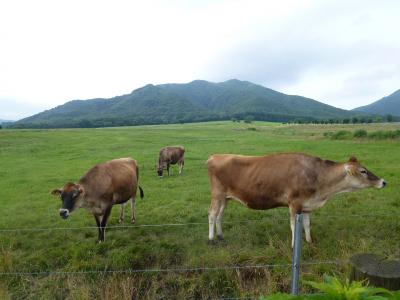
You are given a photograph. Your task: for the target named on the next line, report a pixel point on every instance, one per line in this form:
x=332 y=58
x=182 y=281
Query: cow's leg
x=133 y=204
x=181 y=163
x=219 y=218
x=306 y=226
x=98 y=227
x=293 y=210
x=122 y=213
x=212 y=217
x=103 y=224
x=217 y=198
x=292 y=224
x=168 y=169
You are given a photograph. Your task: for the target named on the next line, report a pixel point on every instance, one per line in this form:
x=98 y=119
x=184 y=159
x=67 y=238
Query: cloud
x=344 y=53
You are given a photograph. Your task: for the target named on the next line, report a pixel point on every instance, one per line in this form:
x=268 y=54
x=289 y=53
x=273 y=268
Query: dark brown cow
x=298 y=181
x=170 y=155
x=106 y=184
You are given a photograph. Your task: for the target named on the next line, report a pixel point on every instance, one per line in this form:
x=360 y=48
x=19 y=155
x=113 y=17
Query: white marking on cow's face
x=64 y=213
x=381 y=184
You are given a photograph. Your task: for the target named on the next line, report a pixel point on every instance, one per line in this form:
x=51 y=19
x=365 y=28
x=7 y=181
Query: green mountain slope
x=384 y=106
x=195 y=101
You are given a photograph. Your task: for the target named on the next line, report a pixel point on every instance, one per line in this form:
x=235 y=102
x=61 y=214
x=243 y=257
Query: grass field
x=33 y=162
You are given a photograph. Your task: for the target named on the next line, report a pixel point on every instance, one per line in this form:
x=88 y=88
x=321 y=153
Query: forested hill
x=192 y=102
x=389 y=105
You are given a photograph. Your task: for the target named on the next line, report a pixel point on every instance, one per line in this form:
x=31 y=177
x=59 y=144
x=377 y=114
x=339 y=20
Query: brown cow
x=170 y=155
x=298 y=181
x=106 y=184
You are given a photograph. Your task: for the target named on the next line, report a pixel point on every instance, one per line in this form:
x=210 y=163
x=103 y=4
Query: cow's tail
x=141 y=192
x=140 y=188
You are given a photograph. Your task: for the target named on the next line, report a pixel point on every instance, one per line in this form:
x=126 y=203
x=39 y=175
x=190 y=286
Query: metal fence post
x=296 y=254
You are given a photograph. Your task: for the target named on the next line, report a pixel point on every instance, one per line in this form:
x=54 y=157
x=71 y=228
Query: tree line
x=190 y=118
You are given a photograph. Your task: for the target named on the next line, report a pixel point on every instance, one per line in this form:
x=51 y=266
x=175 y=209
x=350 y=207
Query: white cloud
x=340 y=52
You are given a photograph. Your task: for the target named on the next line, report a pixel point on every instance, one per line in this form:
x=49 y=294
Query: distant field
x=33 y=162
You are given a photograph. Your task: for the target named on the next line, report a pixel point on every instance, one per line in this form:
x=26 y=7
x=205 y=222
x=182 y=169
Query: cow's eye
x=363 y=171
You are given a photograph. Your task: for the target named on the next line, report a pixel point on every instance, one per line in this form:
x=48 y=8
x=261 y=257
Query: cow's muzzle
x=64 y=213
x=381 y=184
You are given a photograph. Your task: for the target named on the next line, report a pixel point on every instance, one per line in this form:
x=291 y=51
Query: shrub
x=252 y=129
x=360 y=133
x=341 y=135
x=335 y=289
x=381 y=134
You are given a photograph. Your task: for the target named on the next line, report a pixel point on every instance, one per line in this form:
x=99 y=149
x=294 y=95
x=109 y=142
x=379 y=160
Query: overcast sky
x=343 y=53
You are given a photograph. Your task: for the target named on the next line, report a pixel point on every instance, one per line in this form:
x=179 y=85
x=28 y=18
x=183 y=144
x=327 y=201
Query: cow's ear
x=353 y=159
x=349 y=170
x=56 y=192
x=80 y=189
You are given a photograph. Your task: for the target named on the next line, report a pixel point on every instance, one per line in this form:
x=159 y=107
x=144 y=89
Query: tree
x=389 y=118
x=249 y=119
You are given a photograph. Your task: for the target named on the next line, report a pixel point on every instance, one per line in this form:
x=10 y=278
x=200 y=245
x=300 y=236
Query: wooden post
x=378 y=271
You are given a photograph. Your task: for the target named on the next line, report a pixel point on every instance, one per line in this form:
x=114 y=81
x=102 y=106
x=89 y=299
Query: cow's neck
x=334 y=181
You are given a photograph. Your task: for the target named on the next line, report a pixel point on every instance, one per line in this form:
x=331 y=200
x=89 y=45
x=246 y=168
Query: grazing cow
x=106 y=184
x=170 y=155
x=298 y=181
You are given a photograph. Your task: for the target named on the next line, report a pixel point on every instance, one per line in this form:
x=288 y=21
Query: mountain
x=5 y=121
x=386 y=105
x=196 y=101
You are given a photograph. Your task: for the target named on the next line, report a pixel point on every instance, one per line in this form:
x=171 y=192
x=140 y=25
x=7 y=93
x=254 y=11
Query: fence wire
x=178 y=270
x=169 y=270
x=193 y=223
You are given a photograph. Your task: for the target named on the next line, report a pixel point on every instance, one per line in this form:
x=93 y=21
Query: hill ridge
x=389 y=105
x=198 y=100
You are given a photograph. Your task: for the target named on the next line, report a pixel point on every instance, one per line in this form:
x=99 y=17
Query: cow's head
x=160 y=169
x=359 y=177
x=70 y=194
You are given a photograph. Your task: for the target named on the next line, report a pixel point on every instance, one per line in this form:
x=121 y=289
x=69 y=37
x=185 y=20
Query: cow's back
x=171 y=154
x=264 y=182
x=118 y=176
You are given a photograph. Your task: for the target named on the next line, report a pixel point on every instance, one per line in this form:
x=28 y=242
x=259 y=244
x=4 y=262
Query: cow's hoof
x=212 y=243
x=221 y=240
x=311 y=241
x=120 y=221
x=133 y=221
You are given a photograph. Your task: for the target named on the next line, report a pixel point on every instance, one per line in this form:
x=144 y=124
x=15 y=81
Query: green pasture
x=33 y=162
